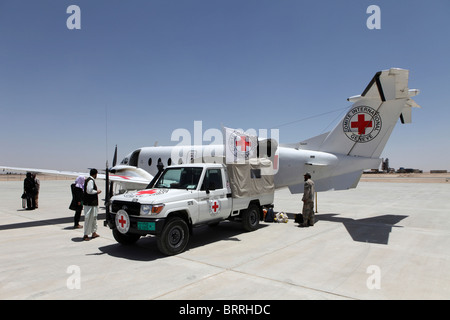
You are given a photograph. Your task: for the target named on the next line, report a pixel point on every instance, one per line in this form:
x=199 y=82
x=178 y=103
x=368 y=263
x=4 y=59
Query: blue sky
x=149 y=67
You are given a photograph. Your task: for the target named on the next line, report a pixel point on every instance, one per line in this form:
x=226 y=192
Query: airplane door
x=213 y=201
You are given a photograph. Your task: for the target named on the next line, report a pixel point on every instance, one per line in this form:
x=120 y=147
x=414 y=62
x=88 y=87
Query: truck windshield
x=180 y=178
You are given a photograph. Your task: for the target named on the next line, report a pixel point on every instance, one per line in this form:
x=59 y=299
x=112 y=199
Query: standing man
x=38 y=186
x=90 y=206
x=308 y=202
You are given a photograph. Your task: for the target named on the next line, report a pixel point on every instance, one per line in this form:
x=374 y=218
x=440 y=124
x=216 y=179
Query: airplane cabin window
x=150 y=162
x=169 y=162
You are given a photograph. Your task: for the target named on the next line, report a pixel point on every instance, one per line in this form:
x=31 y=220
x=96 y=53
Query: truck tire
x=126 y=239
x=174 y=237
x=250 y=218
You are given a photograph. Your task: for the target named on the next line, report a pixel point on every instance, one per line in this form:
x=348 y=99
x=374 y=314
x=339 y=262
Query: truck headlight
x=148 y=209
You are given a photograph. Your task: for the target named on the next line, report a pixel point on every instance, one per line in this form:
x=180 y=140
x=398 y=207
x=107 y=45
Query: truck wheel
x=250 y=218
x=174 y=237
x=126 y=239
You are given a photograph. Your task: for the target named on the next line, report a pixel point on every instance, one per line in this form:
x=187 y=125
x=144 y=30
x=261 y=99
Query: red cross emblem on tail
x=362 y=124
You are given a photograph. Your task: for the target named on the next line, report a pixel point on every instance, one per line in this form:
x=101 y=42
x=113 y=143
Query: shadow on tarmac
x=370 y=230
x=40 y=223
x=146 y=249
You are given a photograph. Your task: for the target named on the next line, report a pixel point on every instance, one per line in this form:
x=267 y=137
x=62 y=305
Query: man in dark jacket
x=90 y=206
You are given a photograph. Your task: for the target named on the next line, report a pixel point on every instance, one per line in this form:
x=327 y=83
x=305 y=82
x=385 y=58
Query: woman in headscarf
x=77 y=200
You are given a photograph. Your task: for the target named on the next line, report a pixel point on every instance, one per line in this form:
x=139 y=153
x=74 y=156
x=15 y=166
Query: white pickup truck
x=185 y=196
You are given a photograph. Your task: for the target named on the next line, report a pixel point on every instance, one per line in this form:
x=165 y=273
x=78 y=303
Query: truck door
x=213 y=201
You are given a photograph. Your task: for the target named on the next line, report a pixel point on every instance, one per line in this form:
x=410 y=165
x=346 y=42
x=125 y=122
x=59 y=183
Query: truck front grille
x=132 y=208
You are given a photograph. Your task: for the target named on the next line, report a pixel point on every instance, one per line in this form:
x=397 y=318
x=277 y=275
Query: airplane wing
x=128 y=177
x=45 y=171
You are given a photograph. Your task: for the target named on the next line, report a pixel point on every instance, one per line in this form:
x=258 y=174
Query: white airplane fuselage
x=289 y=164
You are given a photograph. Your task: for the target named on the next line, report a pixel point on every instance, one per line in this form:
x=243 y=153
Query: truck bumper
x=140 y=225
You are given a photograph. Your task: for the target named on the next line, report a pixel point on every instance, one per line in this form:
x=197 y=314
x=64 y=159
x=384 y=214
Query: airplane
x=336 y=159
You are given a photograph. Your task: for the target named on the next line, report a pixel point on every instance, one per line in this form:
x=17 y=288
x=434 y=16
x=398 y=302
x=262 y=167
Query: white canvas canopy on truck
x=255 y=177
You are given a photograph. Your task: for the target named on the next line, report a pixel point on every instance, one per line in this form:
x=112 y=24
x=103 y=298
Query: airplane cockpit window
x=134 y=159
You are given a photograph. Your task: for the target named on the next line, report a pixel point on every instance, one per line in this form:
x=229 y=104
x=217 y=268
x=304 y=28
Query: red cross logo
x=366 y=130
x=215 y=206
x=152 y=191
x=361 y=124
x=122 y=221
x=243 y=143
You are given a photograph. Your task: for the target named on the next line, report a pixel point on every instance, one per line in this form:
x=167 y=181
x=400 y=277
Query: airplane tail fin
x=367 y=126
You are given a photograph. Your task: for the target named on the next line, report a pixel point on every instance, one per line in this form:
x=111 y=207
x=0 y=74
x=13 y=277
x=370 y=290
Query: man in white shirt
x=91 y=206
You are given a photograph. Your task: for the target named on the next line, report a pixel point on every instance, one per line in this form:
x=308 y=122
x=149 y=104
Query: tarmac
x=378 y=241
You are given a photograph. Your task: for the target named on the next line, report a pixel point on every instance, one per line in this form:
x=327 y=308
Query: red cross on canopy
x=243 y=143
x=361 y=124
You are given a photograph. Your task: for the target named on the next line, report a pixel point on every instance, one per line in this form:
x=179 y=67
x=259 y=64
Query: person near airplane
x=29 y=189
x=77 y=200
x=91 y=206
x=308 y=202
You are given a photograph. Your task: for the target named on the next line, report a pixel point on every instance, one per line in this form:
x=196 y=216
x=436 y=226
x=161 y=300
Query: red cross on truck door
x=215 y=206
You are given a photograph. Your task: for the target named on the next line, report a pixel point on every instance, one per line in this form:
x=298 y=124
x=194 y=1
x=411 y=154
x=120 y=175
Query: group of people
x=30 y=195
x=85 y=195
